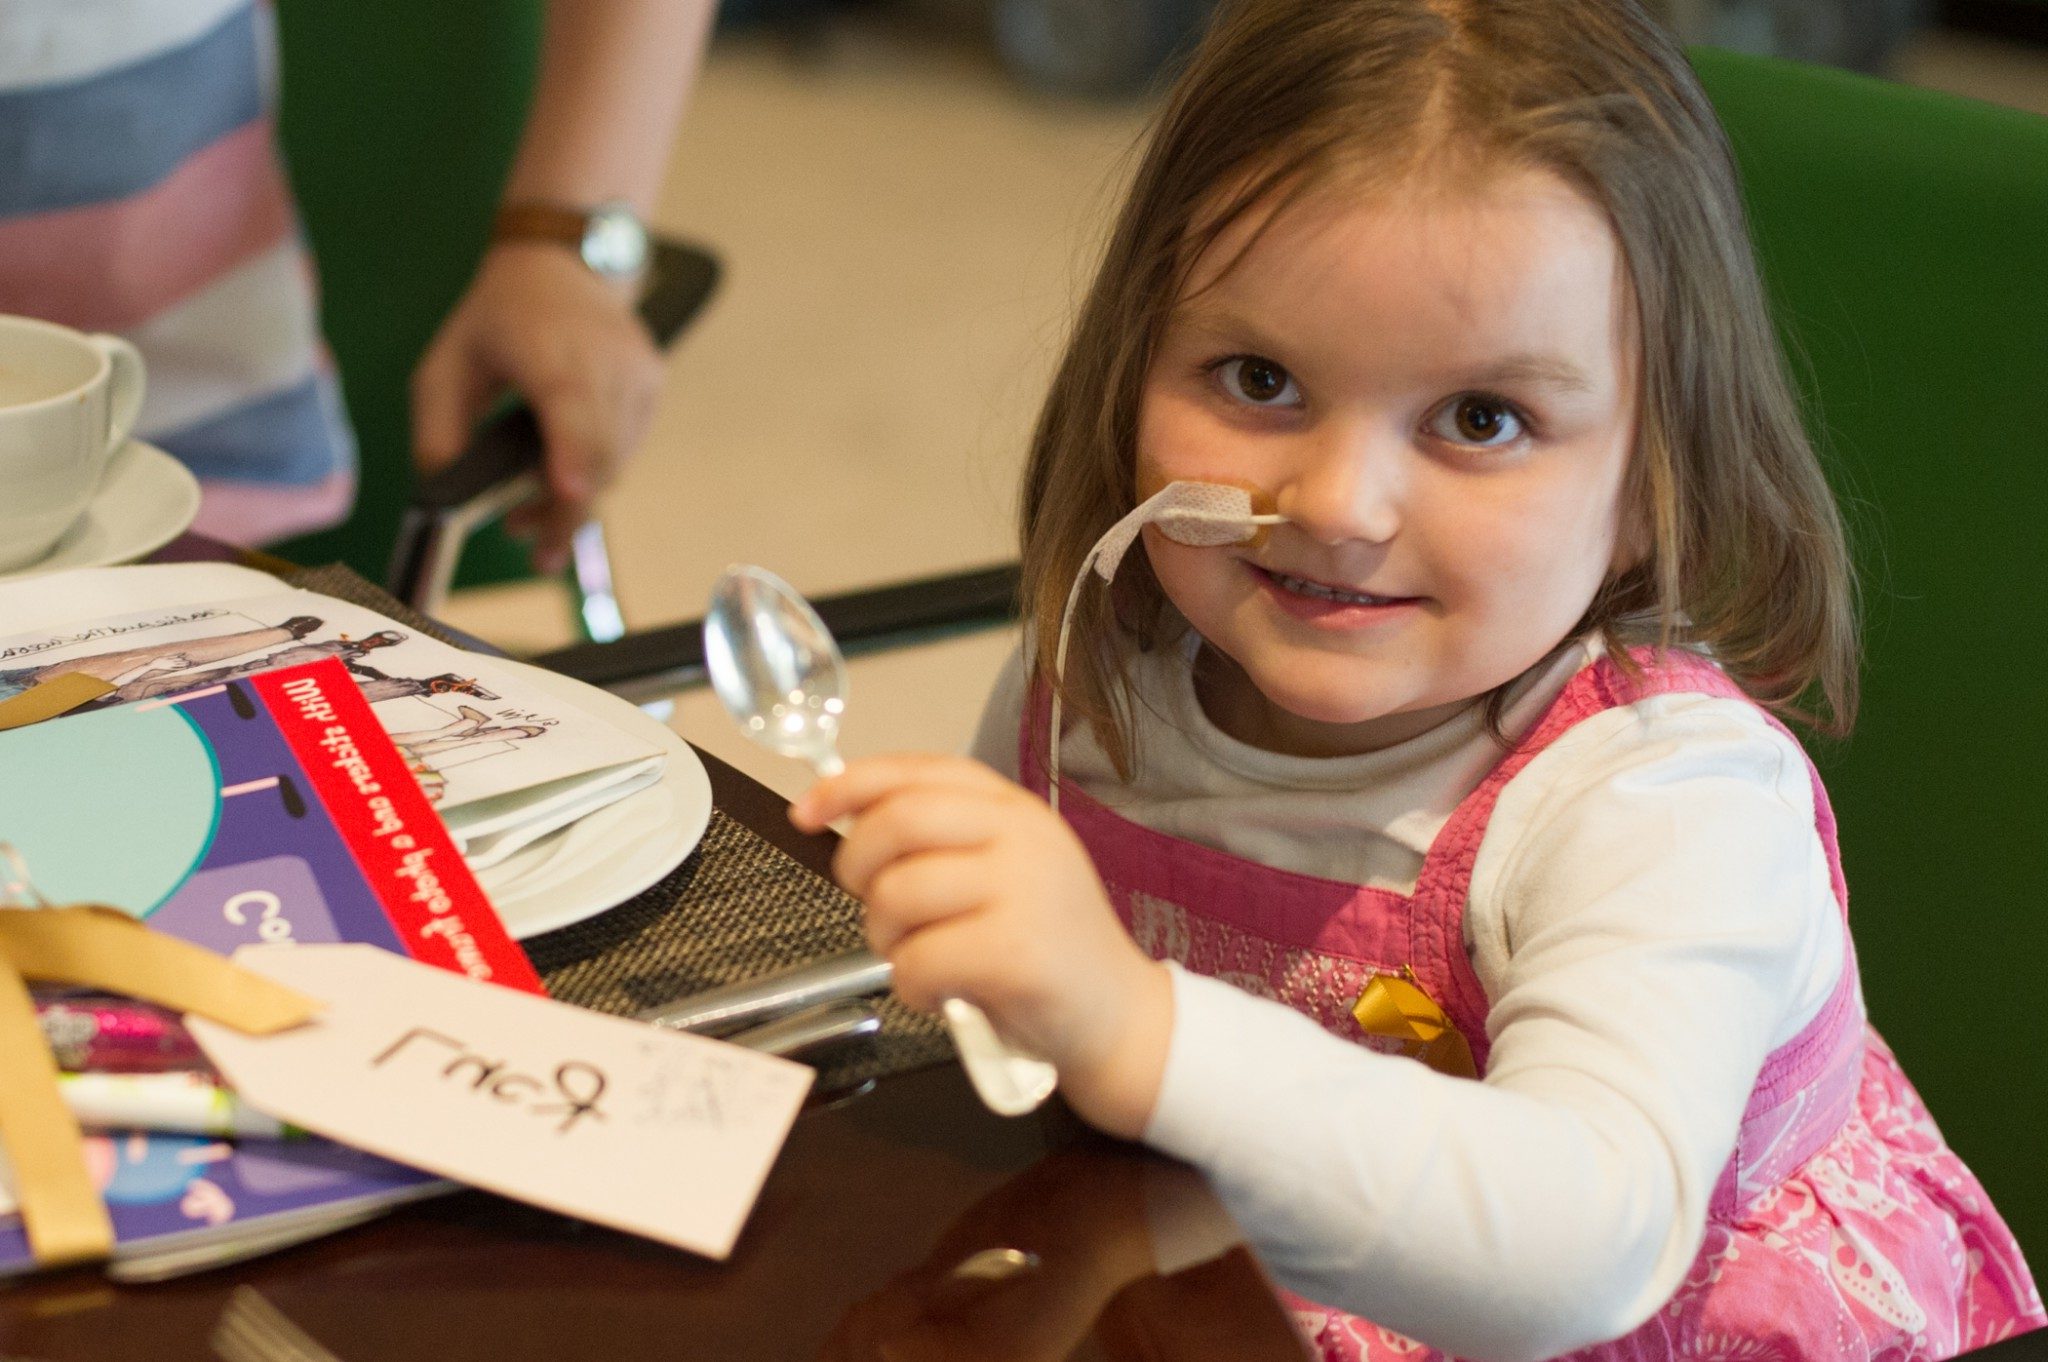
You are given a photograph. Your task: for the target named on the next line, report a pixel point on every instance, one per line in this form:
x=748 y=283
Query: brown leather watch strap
x=540 y=222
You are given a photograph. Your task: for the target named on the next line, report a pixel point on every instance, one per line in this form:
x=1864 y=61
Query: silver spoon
x=781 y=677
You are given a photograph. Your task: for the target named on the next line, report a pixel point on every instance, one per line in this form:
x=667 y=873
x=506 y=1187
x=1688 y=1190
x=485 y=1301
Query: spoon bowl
x=775 y=667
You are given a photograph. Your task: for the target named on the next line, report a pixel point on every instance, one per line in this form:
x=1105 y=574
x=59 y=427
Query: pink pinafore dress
x=1842 y=1227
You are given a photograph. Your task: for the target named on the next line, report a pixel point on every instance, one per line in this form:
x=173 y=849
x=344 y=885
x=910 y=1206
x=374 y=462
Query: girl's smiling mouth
x=1321 y=603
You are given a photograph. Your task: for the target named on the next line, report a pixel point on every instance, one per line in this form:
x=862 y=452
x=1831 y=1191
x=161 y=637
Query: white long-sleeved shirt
x=1650 y=915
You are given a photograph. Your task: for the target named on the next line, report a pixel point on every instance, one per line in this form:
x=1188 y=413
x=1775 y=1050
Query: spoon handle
x=1008 y=1081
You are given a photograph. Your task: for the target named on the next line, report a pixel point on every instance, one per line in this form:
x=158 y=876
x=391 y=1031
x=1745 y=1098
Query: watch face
x=615 y=243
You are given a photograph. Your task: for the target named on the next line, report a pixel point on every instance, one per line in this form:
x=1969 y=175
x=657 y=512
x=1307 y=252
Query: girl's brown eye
x=1476 y=419
x=1263 y=382
x=1258 y=381
x=1480 y=421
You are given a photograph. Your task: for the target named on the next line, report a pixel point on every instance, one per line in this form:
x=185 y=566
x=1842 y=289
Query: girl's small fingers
x=916 y=891
x=871 y=779
x=945 y=959
x=912 y=820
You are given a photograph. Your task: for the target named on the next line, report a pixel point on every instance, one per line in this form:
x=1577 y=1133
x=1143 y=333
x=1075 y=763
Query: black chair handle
x=656 y=662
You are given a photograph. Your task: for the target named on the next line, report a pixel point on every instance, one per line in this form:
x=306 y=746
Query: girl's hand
x=976 y=889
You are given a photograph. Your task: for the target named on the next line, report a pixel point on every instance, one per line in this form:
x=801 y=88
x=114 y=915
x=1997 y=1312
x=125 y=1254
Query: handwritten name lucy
x=576 y=1083
x=672 y=1134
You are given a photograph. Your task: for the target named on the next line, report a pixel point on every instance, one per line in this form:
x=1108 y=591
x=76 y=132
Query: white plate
x=48 y=602
x=146 y=500
x=606 y=857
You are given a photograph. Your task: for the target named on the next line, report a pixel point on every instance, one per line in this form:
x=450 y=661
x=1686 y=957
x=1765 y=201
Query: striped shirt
x=142 y=192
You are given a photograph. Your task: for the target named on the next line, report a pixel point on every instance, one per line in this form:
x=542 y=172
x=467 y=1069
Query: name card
x=615 y=1121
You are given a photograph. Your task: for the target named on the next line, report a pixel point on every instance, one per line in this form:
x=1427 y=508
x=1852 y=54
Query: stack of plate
x=603 y=858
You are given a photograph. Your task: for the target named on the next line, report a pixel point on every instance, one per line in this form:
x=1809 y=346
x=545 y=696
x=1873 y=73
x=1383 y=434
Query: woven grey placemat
x=736 y=908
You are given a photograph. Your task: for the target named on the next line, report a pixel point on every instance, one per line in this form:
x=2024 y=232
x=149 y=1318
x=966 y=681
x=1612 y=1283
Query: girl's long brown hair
x=1745 y=558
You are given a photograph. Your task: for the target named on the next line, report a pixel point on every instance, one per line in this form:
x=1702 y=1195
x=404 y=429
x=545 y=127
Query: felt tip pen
x=167 y=1104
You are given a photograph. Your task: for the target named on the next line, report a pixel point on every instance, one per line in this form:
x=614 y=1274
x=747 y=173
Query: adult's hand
x=537 y=322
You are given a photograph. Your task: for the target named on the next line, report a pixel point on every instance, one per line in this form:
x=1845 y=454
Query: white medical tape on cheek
x=1198 y=514
x=1207 y=515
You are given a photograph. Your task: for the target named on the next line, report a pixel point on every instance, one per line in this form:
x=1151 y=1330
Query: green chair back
x=1904 y=236
x=399 y=120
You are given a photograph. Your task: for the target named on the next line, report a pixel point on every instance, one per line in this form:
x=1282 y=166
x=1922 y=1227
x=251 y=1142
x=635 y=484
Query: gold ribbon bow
x=101 y=948
x=104 y=948
x=1394 y=1007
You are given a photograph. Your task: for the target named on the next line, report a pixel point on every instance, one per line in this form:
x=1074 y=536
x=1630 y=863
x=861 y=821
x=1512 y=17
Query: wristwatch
x=609 y=237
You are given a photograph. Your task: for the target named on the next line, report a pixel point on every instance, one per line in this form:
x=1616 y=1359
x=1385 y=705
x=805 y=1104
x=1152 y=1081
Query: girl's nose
x=1347 y=486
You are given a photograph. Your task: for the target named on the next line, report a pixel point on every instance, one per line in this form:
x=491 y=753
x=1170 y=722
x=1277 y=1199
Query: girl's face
x=1437 y=388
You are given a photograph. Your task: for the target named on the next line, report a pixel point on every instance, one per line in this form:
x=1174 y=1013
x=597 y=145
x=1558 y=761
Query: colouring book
x=260 y=808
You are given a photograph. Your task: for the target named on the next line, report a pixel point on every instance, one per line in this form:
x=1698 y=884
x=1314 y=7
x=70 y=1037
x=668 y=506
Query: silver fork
x=251 y=1329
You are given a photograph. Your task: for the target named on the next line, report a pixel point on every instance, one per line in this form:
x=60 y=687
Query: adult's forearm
x=614 y=77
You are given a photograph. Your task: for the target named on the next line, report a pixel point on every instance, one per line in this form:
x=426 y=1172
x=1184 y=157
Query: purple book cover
x=196 y=814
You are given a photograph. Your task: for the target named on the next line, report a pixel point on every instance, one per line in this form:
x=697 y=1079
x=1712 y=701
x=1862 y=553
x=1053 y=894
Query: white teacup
x=67 y=402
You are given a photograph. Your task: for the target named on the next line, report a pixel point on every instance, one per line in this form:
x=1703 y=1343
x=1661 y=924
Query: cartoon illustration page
x=470 y=730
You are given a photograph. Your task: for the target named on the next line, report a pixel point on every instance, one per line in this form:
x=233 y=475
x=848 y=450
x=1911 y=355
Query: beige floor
x=904 y=233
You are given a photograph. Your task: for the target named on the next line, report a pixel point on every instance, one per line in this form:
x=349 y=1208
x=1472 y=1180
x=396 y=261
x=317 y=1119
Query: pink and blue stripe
x=141 y=192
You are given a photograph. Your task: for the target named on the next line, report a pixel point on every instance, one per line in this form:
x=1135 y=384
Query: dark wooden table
x=848 y=1254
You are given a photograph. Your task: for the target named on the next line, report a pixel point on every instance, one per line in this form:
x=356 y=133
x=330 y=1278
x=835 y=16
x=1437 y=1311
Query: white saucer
x=603 y=858
x=146 y=500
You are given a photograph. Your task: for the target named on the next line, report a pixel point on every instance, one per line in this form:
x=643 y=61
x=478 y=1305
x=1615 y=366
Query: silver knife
x=734 y=1007
x=801 y=1035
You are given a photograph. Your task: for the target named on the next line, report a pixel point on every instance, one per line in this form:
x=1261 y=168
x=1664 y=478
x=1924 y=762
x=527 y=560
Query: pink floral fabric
x=1843 y=1227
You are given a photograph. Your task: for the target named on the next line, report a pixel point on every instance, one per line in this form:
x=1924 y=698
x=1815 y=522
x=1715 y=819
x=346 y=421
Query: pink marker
x=111 y=1034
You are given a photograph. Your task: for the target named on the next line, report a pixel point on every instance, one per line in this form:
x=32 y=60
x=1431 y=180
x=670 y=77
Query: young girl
x=1465 y=749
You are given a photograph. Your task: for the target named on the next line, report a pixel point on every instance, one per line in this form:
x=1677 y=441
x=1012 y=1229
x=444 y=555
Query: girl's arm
x=1651 y=914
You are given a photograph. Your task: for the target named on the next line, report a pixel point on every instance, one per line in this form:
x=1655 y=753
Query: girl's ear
x=1632 y=542
x=1635 y=534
